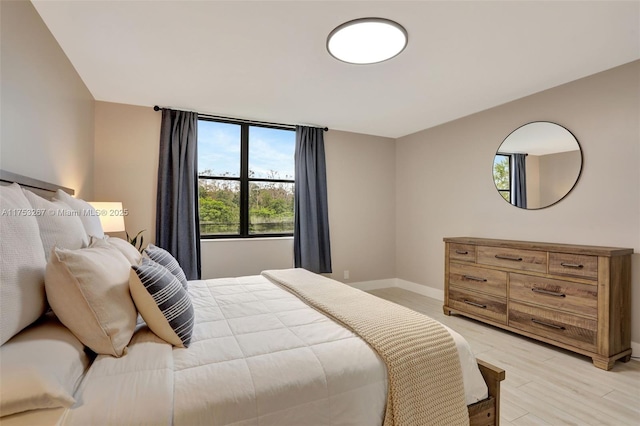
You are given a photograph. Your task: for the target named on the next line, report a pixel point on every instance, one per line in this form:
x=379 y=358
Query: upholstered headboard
x=42 y=188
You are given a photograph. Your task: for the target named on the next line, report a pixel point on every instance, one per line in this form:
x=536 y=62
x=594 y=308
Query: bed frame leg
x=482 y=412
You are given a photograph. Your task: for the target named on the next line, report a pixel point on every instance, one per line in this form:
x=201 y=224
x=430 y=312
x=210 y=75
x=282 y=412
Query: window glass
x=271 y=207
x=502 y=175
x=271 y=153
x=219 y=207
x=218 y=148
x=246 y=179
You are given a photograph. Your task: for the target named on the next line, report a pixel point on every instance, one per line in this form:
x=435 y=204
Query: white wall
x=444 y=186
x=47 y=112
x=245 y=256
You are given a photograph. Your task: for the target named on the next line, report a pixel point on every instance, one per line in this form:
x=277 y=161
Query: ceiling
x=267 y=60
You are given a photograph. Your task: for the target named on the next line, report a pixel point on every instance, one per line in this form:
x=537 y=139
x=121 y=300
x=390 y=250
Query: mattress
x=259 y=356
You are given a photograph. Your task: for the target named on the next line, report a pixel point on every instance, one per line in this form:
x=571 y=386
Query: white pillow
x=88 y=215
x=22 y=264
x=88 y=290
x=59 y=224
x=41 y=368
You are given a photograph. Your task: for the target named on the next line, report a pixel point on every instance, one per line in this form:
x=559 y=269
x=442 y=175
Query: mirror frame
x=568 y=191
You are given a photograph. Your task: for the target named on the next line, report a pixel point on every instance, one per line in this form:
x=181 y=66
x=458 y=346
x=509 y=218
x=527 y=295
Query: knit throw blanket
x=423 y=368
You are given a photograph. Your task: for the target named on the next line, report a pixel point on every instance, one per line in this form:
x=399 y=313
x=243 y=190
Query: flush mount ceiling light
x=367 y=41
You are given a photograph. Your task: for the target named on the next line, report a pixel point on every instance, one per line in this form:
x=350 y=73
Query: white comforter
x=259 y=356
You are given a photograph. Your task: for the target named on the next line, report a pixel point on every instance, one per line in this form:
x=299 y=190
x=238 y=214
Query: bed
x=259 y=353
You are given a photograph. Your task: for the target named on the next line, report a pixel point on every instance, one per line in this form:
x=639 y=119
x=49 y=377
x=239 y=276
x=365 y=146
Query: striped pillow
x=163 y=302
x=164 y=258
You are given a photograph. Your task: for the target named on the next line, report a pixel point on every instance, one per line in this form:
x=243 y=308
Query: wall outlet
x=346 y=275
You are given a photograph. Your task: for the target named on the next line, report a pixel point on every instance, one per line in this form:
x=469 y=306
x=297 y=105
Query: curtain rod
x=265 y=123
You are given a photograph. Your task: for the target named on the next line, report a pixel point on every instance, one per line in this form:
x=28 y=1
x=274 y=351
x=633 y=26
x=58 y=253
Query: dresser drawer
x=463 y=252
x=494 y=308
x=555 y=294
x=478 y=279
x=574 y=265
x=525 y=260
x=565 y=328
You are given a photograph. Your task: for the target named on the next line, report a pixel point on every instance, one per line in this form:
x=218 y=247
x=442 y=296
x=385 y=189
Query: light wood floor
x=544 y=385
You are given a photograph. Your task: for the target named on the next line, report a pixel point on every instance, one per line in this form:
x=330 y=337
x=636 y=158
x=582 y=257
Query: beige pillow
x=41 y=368
x=22 y=263
x=88 y=290
x=125 y=247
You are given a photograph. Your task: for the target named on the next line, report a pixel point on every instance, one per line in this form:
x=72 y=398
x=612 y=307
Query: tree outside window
x=502 y=175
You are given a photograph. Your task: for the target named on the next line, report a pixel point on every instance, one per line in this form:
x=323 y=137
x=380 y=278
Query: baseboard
x=431 y=292
x=423 y=290
x=635 y=348
x=373 y=285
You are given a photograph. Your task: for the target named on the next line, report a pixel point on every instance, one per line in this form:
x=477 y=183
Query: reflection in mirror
x=537 y=165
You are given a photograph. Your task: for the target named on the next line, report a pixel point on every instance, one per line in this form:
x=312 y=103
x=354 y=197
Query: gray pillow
x=163 y=302
x=164 y=258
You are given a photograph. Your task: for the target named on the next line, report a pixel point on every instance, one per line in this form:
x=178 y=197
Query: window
x=502 y=175
x=246 y=179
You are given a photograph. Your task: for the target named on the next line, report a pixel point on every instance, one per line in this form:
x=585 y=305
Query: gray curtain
x=311 y=247
x=177 y=218
x=519 y=184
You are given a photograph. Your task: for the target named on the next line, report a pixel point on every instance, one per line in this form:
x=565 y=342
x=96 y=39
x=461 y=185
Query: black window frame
x=500 y=191
x=245 y=180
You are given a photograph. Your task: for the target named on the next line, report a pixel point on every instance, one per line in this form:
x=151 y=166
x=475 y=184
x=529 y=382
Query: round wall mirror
x=537 y=165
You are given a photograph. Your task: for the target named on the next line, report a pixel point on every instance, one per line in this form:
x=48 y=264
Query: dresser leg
x=446 y=311
x=626 y=358
x=604 y=363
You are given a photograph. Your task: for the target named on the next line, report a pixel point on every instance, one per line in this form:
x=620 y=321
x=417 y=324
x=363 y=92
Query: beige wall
x=126 y=162
x=390 y=202
x=558 y=173
x=533 y=180
x=361 y=191
x=47 y=111
x=444 y=185
x=361 y=185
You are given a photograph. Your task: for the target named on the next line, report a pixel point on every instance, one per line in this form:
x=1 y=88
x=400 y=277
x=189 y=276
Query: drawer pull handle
x=547 y=292
x=546 y=324
x=461 y=252
x=504 y=257
x=571 y=265
x=477 y=305
x=472 y=278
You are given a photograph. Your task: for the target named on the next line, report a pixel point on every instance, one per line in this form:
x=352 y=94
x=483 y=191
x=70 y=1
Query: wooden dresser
x=575 y=297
